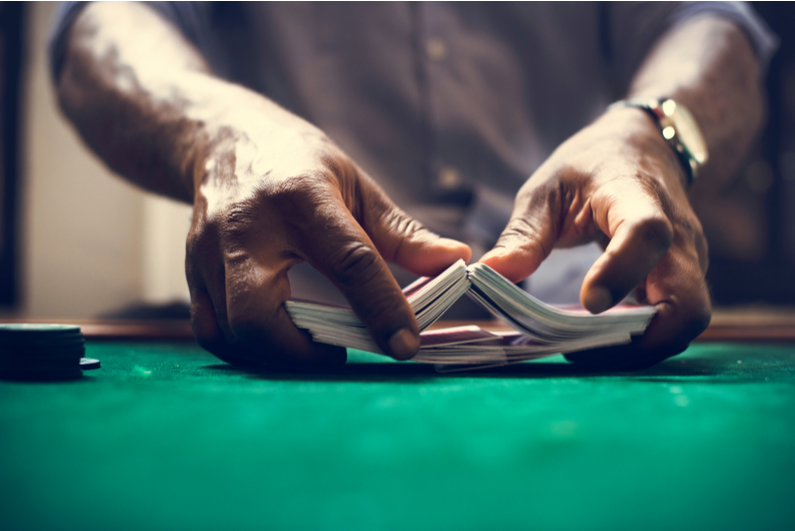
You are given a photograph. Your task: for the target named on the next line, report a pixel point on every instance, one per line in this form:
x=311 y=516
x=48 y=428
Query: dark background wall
x=751 y=227
x=10 y=68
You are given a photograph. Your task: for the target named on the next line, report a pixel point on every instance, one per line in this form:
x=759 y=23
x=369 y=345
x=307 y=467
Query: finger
x=203 y=317
x=256 y=289
x=640 y=234
x=206 y=330
x=240 y=328
x=403 y=240
x=205 y=274
x=204 y=321
x=676 y=286
x=336 y=245
x=531 y=232
x=679 y=290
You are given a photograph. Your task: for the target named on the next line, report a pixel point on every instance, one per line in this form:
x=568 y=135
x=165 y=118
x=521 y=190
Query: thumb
x=406 y=242
x=529 y=237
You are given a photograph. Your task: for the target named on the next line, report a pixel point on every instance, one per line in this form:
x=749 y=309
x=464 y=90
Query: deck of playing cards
x=540 y=329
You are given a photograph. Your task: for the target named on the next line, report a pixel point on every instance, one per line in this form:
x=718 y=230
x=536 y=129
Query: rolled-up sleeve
x=190 y=18
x=634 y=27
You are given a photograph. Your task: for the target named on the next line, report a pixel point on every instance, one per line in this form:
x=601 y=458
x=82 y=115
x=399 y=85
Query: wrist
x=255 y=139
x=679 y=129
x=229 y=130
x=643 y=141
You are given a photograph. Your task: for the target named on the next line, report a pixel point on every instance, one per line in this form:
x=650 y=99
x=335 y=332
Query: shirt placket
x=435 y=49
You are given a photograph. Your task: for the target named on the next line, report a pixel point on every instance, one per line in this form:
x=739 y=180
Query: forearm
x=708 y=65
x=144 y=99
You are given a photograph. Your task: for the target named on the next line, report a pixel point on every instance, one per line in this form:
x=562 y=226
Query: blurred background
x=77 y=242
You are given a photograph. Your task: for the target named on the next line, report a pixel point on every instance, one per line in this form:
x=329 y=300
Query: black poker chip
x=89 y=364
x=42 y=352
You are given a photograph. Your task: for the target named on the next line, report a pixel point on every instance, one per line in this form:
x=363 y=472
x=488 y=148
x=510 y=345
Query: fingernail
x=599 y=300
x=403 y=344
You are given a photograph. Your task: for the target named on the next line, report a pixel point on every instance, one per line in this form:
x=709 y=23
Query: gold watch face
x=687 y=131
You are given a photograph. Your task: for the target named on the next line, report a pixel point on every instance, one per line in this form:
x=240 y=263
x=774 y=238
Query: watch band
x=678 y=128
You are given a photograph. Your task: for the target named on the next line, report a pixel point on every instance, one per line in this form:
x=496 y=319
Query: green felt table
x=165 y=436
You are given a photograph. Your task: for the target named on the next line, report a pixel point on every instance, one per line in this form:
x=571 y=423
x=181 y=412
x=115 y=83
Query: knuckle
x=520 y=228
x=354 y=264
x=656 y=231
x=542 y=191
x=299 y=201
x=527 y=234
x=405 y=227
x=401 y=223
x=337 y=164
x=297 y=190
x=575 y=170
x=398 y=223
x=236 y=223
x=230 y=224
x=239 y=215
x=216 y=223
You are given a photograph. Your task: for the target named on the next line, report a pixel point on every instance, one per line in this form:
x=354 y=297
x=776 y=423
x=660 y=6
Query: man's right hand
x=267 y=199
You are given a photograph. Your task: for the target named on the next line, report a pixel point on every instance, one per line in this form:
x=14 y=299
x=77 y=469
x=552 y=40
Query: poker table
x=166 y=436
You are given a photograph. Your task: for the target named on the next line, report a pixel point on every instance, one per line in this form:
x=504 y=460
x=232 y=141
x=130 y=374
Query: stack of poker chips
x=42 y=352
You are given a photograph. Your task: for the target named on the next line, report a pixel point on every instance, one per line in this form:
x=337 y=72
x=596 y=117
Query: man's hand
x=617 y=181
x=267 y=200
x=269 y=190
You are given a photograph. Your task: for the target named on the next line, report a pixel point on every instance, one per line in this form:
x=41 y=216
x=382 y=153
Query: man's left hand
x=617 y=181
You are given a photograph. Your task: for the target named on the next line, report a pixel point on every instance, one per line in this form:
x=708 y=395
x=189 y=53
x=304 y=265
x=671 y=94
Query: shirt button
x=448 y=178
x=436 y=49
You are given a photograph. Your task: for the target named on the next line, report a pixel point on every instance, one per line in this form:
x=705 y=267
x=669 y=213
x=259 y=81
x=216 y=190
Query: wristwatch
x=678 y=128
